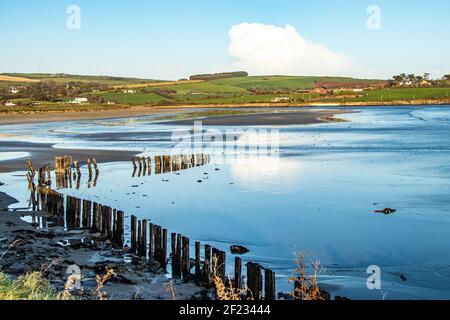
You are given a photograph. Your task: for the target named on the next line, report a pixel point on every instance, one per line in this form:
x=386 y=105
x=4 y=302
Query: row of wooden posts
x=150 y=241
x=166 y=163
x=63 y=173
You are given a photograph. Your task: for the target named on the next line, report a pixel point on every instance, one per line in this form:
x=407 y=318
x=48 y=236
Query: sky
x=173 y=39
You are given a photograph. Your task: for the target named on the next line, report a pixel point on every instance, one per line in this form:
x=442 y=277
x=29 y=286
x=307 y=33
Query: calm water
x=318 y=197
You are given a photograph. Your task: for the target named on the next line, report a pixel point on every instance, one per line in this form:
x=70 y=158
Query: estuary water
x=316 y=193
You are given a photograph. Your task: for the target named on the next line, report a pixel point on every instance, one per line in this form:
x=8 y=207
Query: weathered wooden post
x=86 y=220
x=254 y=281
x=173 y=242
x=198 y=271
x=95 y=166
x=186 y=261
x=133 y=234
x=151 y=243
x=88 y=163
x=139 y=238
x=120 y=228
x=144 y=239
x=237 y=273
x=179 y=255
x=269 y=285
x=164 y=249
x=207 y=265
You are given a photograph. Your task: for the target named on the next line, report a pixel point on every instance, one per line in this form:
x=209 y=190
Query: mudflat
x=302 y=117
x=43 y=154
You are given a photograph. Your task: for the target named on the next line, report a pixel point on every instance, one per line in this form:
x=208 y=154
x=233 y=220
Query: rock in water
x=235 y=249
x=386 y=211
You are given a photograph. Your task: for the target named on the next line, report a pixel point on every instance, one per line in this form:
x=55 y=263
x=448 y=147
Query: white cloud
x=267 y=49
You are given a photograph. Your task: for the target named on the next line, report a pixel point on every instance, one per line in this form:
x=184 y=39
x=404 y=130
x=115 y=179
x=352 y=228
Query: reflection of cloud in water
x=270 y=174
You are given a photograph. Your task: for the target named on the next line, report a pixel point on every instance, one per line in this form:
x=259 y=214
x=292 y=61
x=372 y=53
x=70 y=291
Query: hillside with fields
x=74 y=92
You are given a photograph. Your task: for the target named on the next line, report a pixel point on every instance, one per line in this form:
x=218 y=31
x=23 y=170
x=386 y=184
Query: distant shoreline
x=9 y=118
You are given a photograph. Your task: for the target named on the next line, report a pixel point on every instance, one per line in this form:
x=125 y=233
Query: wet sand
x=43 y=154
x=302 y=117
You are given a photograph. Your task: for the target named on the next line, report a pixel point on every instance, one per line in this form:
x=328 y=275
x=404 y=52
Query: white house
x=281 y=99
x=10 y=104
x=79 y=100
x=14 y=90
x=129 y=91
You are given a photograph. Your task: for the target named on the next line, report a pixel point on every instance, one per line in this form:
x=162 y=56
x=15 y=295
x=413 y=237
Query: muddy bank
x=56 y=253
x=302 y=117
x=43 y=153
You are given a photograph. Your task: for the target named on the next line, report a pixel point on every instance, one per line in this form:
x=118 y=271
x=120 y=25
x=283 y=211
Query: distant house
x=10 y=104
x=79 y=100
x=281 y=99
x=321 y=91
x=425 y=83
x=14 y=90
x=405 y=83
x=110 y=103
x=129 y=91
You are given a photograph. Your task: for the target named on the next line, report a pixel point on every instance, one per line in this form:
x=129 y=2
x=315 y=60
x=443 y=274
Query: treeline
x=415 y=80
x=52 y=91
x=216 y=76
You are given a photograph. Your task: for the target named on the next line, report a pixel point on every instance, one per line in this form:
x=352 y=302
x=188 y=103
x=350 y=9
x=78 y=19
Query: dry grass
x=101 y=281
x=31 y=286
x=306 y=284
x=17 y=79
x=222 y=291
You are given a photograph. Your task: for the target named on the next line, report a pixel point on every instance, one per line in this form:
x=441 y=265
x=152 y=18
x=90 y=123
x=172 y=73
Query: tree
x=446 y=77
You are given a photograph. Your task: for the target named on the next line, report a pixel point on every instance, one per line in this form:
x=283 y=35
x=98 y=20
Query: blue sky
x=173 y=39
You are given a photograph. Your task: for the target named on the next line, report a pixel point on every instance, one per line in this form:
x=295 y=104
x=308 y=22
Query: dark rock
x=386 y=211
x=403 y=277
x=235 y=249
x=18 y=268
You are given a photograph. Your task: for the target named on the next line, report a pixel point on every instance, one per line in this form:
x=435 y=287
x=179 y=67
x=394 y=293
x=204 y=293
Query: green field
x=397 y=94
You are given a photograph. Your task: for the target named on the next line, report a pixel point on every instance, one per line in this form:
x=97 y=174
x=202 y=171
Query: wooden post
x=139 y=238
x=179 y=255
x=269 y=285
x=175 y=268
x=186 y=262
x=151 y=243
x=144 y=239
x=94 y=225
x=120 y=228
x=207 y=265
x=86 y=221
x=88 y=162
x=164 y=249
x=133 y=234
x=197 y=261
x=237 y=273
x=95 y=166
x=254 y=281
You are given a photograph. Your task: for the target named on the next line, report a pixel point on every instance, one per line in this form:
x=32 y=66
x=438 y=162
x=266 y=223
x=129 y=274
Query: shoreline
x=13 y=118
x=25 y=248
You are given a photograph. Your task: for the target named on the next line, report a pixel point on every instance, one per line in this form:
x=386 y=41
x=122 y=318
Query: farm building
x=79 y=100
